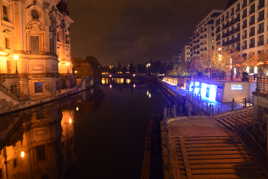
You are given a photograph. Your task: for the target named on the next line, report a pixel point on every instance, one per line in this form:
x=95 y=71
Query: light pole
x=148 y=65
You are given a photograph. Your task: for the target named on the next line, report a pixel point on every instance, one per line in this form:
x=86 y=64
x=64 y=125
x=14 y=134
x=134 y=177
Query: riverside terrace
x=213 y=96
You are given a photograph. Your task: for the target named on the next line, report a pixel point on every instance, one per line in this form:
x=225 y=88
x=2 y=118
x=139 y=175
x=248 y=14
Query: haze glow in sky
x=132 y=31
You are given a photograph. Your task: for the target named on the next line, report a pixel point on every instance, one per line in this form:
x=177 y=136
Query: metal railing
x=262 y=85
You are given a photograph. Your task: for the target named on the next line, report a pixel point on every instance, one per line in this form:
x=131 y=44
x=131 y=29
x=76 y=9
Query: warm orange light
x=77 y=109
x=3 y=53
x=16 y=57
x=68 y=63
x=70 y=120
x=75 y=72
x=22 y=154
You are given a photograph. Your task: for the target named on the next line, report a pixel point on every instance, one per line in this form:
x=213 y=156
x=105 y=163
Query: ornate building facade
x=35 y=49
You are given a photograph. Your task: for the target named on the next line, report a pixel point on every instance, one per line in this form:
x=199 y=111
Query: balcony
x=262 y=85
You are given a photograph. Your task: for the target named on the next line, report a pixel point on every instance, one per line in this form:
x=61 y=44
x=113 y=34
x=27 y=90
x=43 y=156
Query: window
x=252 y=20
x=252 y=43
x=245 y=13
x=245 y=45
x=34 y=44
x=244 y=3
x=261 y=28
x=245 y=34
x=252 y=8
x=7 y=43
x=237 y=7
x=252 y=31
x=40 y=153
x=261 y=4
x=261 y=40
x=35 y=14
x=5 y=13
x=261 y=16
x=244 y=24
x=38 y=87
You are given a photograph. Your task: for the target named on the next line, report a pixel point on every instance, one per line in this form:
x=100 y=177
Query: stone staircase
x=245 y=124
x=7 y=98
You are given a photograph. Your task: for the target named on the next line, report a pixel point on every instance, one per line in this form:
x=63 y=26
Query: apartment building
x=203 y=39
x=186 y=53
x=242 y=27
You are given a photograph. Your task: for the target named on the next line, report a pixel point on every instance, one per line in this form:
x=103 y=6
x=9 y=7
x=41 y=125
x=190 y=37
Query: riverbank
x=24 y=105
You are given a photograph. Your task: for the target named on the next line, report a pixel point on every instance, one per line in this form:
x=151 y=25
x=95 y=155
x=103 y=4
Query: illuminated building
x=202 y=42
x=35 y=59
x=240 y=30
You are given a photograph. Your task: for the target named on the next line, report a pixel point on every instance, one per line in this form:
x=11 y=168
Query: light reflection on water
x=39 y=143
x=118 y=81
x=48 y=141
x=32 y=151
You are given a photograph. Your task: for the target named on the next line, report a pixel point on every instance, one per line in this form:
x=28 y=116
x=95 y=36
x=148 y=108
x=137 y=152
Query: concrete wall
x=238 y=94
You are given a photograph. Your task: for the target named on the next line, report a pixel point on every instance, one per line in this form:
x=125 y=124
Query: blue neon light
x=208 y=92
x=191 y=86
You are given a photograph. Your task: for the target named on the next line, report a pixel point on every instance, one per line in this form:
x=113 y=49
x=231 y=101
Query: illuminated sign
x=236 y=87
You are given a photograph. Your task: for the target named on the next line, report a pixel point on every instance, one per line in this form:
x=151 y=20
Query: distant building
x=203 y=39
x=35 y=59
x=186 y=53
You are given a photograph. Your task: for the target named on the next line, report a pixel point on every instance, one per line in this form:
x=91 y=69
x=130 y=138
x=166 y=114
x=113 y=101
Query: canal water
x=97 y=134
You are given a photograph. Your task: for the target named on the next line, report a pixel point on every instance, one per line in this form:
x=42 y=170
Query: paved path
x=201 y=149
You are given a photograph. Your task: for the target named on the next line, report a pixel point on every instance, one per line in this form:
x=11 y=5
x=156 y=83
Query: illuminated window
x=40 y=153
x=34 y=44
x=38 y=87
x=5 y=13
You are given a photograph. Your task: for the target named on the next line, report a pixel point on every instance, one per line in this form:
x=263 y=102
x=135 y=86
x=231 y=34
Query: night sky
x=134 y=31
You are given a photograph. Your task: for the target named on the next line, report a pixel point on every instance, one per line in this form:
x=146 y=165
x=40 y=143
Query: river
x=97 y=134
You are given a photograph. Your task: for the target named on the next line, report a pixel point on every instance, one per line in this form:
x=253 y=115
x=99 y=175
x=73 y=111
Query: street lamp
x=148 y=65
x=16 y=58
x=22 y=154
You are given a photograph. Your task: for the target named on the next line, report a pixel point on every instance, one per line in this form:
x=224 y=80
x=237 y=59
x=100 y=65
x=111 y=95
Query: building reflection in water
x=42 y=146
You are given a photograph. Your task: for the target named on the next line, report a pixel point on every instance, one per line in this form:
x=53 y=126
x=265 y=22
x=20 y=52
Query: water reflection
x=117 y=81
x=39 y=146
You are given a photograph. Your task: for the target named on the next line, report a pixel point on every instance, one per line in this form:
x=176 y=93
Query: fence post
x=233 y=102
x=174 y=111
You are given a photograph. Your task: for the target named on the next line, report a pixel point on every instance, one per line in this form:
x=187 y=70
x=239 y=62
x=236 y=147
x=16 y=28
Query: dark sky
x=130 y=31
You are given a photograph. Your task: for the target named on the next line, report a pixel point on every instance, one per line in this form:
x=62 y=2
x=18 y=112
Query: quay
x=199 y=148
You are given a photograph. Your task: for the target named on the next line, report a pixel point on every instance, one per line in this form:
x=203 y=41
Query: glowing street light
x=16 y=58
x=77 y=108
x=22 y=154
x=3 y=53
x=220 y=57
x=70 y=120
